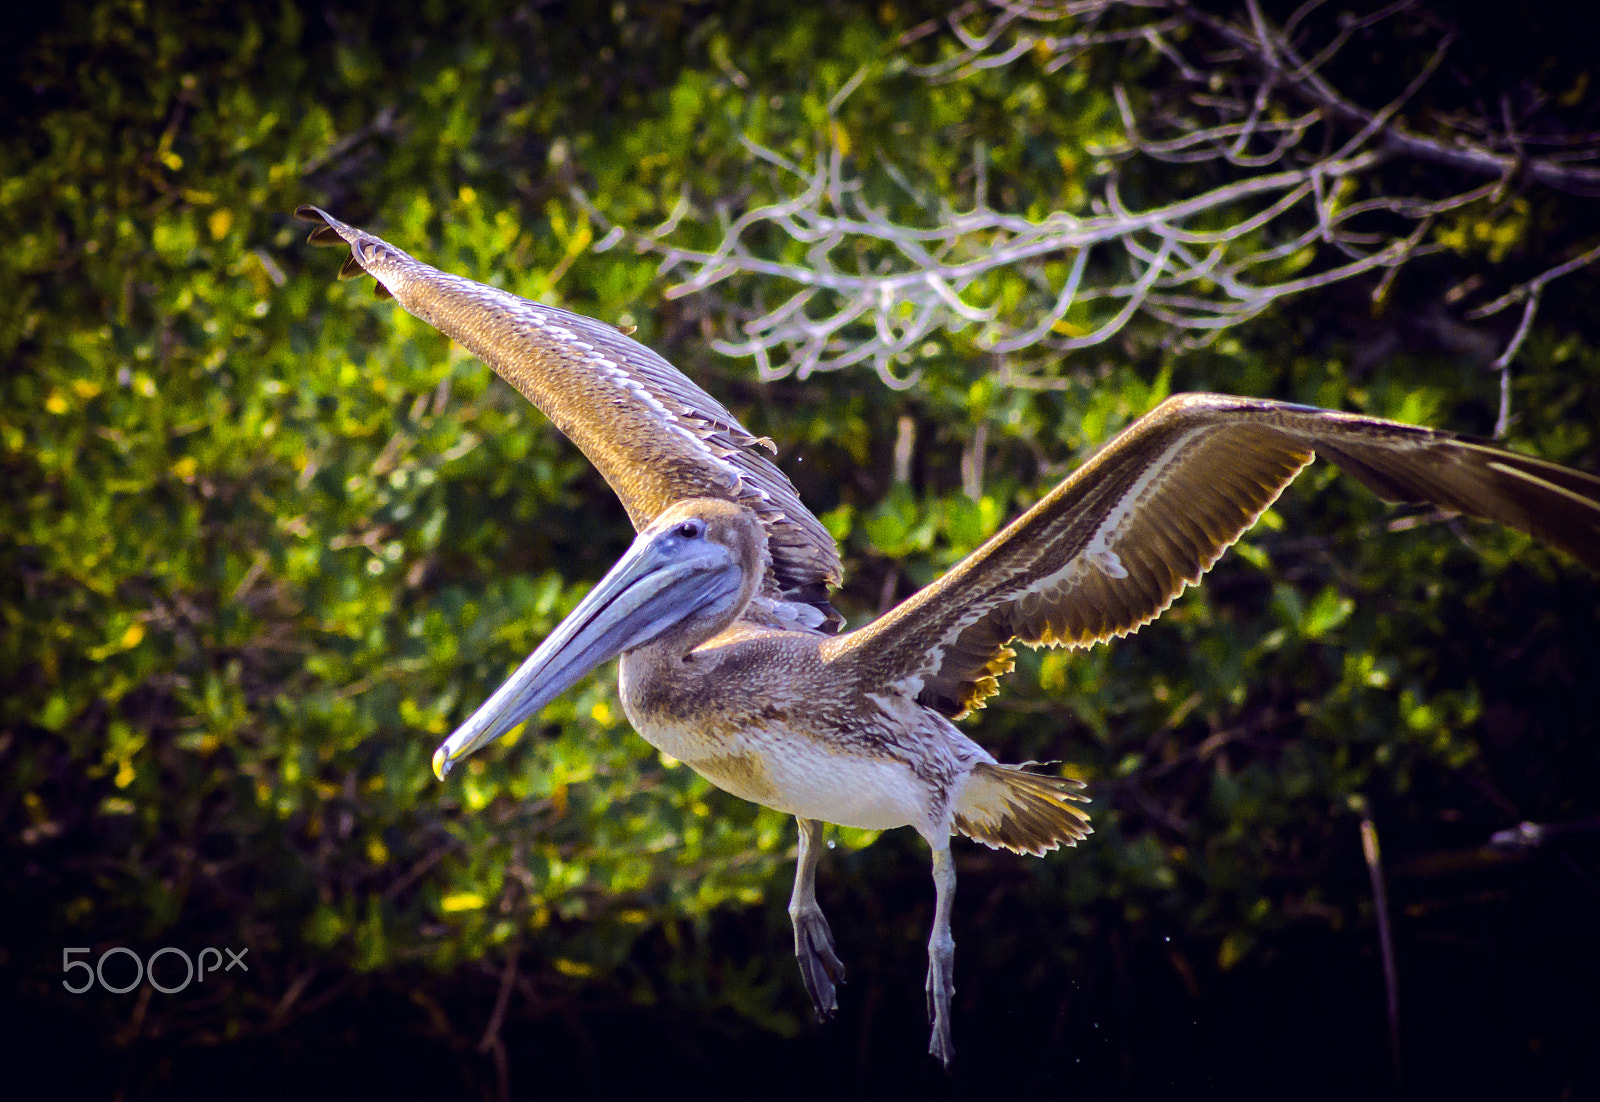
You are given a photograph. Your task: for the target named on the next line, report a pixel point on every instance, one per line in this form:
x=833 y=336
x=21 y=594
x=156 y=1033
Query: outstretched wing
x=652 y=434
x=1110 y=548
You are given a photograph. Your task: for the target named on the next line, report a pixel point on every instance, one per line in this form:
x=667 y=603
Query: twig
x=508 y=977
x=1530 y=293
x=1380 y=901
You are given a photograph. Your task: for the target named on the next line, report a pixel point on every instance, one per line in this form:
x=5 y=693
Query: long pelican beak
x=651 y=588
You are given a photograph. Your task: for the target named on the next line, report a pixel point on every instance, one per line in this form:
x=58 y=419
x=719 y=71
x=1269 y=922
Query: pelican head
x=688 y=575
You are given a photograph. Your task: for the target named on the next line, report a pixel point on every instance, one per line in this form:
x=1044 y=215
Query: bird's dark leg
x=820 y=967
x=942 y=957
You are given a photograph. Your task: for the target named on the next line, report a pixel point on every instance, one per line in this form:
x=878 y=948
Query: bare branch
x=1528 y=293
x=1301 y=207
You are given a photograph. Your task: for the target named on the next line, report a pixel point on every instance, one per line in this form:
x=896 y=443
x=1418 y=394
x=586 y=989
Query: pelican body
x=731 y=656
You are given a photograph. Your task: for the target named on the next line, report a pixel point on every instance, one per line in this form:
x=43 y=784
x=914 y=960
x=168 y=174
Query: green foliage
x=265 y=542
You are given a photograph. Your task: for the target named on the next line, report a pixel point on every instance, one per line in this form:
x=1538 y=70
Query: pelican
x=732 y=660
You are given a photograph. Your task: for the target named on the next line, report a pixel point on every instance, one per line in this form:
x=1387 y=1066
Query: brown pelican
x=730 y=657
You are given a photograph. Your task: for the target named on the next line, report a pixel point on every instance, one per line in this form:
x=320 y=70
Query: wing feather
x=1110 y=548
x=656 y=437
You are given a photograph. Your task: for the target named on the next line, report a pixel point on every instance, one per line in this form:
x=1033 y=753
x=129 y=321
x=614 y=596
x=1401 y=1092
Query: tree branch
x=871 y=287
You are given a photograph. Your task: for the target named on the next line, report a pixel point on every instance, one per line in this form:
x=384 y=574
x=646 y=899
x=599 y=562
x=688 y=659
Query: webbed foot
x=820 y=967
x=941 y=987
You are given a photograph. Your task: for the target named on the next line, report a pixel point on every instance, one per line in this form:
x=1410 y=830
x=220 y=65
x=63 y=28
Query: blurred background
x=265 y=541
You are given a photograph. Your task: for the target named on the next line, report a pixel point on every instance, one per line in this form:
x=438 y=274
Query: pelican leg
x=942 y=957
x=820 y=966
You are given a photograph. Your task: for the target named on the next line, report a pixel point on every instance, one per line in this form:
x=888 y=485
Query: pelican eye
x=691 y=529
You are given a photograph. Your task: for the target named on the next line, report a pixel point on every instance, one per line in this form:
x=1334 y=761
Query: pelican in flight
x=732 y=659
